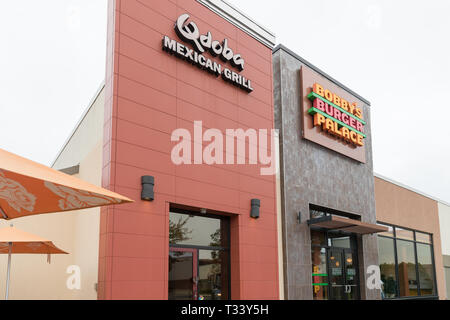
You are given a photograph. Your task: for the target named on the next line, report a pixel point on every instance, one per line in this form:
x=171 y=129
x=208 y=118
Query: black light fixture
x=148 y=182
x=256 y=204
x=299 y=217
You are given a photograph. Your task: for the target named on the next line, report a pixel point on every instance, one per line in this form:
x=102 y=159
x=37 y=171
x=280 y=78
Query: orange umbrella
x=13 y=240
x=28 y=188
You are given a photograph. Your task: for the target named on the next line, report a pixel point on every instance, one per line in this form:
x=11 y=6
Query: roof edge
x=241 y=20
x=86 y=111
x=310 y=65
x=404 y=186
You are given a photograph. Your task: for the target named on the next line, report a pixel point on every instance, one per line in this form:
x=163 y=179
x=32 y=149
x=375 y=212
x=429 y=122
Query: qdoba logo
x=190 y=33
x=201 y=43
x=221 y=149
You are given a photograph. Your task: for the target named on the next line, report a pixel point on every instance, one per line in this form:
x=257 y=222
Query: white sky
x=396 y=54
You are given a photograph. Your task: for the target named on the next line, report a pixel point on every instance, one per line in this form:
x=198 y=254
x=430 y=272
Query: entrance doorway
x=343 y=280
x=334 y=266
x=199 y=255
x=183 y=274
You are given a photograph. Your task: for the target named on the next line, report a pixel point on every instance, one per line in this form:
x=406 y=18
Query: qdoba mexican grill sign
x=331 y=116
x=201 y=44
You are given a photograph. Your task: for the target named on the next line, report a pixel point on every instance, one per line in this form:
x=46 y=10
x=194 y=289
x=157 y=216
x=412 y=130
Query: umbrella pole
x=9 y=269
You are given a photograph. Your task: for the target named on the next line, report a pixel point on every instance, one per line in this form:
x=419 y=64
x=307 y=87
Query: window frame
x=226 y=249
x=397 y=287
x=415 y=242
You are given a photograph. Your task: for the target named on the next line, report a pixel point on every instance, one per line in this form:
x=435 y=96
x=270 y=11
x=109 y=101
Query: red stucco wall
x=149 y=93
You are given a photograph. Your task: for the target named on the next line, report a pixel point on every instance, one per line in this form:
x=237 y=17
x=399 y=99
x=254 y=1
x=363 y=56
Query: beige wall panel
x=405 y=208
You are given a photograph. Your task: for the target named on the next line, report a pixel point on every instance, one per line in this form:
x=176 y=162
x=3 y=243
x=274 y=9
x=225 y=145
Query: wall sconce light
x=256 y=204
x=147 y=193
x=299 y=217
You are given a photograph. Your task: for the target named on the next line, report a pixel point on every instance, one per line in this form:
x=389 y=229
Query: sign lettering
x=337 y=116
x=202 y=43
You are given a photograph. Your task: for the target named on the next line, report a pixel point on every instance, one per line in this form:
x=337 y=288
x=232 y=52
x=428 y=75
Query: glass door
x=199 y=256
x=336 y=274
x=183 y=274
x=343 y=274
x=351 y=276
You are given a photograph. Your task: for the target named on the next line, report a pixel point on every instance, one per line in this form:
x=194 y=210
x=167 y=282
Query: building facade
x=183 y=79
x=412 y=252
x=322 y=176
x=190 y=65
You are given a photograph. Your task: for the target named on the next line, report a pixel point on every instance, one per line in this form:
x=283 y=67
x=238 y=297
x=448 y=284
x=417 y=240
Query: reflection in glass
x=319 y=273
x=339 y=241
x=404 y=234
x=386 y=258
x=318 y=238
x=213 y=275
x=406 y=268
x=389 y=233
x=314 y=214
x=208 y=232
x=337 y=280
x=351 y=277
x=181 y=286
x=426 y=269
x=423 y=237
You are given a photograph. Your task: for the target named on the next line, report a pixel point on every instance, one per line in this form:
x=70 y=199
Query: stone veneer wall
x=312 y=174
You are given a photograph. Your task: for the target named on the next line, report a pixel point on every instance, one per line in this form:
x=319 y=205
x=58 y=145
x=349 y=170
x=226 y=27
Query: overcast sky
x=396 y=54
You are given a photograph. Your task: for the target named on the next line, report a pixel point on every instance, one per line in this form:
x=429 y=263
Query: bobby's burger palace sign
x=202 y=43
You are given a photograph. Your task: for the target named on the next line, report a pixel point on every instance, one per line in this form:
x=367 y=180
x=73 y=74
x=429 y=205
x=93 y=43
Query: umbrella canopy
x=13 y=240
x=29 y=188
x=24 y=242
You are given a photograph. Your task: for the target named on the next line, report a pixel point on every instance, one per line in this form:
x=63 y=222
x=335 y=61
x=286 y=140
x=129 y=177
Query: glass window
x=199 y=257
x=426 y=269
x=389 y=233
x=197 y=230
x=423 y=237
x=447 y=280
x=386 y=258
x=339 y=241
x=404 y=234
x=406 y=268
x=181 y=270
x=319 y=273
x=317 y=213
x=318 y=238
x=212 y=275
x=351 y=275
x=337 y=278
x=411 y=279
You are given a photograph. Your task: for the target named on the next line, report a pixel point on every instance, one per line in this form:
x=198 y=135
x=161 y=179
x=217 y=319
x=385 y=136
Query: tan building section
x=400 y=206
x=76 y=232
